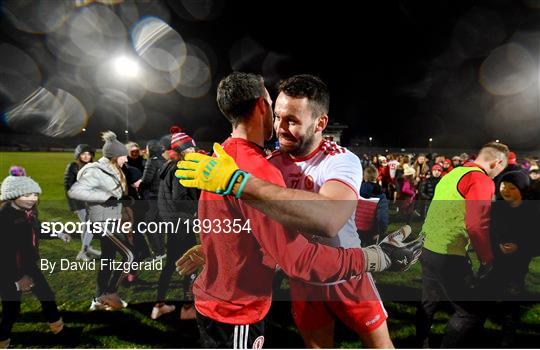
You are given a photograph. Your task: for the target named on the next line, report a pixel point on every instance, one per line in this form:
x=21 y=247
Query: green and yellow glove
x=217 y=174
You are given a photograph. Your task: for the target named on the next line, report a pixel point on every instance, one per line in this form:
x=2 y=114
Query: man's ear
x=321 y=123
x=493 y=164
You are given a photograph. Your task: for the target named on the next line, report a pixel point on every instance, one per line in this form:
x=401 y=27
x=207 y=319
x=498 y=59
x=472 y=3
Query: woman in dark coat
x=84 y=154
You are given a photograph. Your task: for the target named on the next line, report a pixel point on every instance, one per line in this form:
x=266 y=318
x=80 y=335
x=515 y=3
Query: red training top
x=478 y=189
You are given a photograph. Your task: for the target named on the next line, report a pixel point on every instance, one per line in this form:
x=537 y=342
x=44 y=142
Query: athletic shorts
x=356 y=303
x=214 y=334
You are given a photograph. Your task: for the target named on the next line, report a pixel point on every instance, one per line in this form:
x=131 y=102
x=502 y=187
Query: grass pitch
x=132 y=327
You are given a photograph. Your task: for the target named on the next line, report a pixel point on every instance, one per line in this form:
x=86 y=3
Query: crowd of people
x=311 y=209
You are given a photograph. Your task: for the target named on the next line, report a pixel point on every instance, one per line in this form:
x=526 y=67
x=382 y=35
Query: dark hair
x=237 y=94
x=311 y=87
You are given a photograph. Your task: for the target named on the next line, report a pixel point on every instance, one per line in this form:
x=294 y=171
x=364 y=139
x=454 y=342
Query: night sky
x=462 y=72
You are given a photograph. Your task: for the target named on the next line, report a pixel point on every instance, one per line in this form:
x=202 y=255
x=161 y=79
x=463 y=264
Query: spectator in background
x=446 y=167
x=135 y=157
x=534 y=188
x=365 y=161
x=403 y=164
x=150 y=187
x=421 y=170
x=456 y=161
x=176 y=201
x=84 y=154
x=393 y=165
x=407 y=194
x=513 y=165
x=375 y=160
x=371 y=217
x=19 y=255
x=102 y=184
x=464 y=158
x=384 y=174
x=515 y=243
x=427 y=189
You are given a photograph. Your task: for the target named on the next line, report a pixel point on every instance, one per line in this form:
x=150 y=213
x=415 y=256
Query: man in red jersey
x=233 y=292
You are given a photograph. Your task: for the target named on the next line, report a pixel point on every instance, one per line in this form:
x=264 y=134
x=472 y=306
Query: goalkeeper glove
x=395 y=252
x=213 y=174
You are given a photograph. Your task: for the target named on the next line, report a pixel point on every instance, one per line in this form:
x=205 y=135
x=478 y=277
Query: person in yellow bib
x=459 y=216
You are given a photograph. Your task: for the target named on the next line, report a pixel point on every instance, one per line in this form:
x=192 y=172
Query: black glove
x=396 y=252
x=111 y=202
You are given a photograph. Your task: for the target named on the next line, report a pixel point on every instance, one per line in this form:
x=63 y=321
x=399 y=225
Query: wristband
x=232 y=182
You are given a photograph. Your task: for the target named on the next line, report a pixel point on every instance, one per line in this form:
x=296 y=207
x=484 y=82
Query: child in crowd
x=372 y=209
x=427 y=189
x=515 y=243
x=19 y=255
x=407 y=193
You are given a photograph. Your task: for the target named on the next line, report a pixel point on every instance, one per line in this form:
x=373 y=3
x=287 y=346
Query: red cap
x=437 y=167
x=512 y=158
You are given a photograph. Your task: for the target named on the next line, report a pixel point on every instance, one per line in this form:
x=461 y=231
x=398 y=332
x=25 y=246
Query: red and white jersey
x=393 y=165
x=329 y=162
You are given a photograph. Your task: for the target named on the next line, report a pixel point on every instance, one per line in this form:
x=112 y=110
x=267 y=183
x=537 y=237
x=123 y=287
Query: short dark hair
x=237 y=94
x=311 y=87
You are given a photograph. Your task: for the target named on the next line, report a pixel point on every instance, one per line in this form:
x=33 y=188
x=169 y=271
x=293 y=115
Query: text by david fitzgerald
x=100 y=264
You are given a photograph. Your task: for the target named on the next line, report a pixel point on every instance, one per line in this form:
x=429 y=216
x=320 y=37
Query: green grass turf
x=132 y=328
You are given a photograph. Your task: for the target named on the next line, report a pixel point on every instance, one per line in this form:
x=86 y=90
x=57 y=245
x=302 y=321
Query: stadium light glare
x=126 y=67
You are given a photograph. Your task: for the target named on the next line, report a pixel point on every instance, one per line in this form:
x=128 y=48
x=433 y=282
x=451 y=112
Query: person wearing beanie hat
x=112 y=148
x=16 y=170
x=511 y=167
x=149 y=188
x=180 y=141
x=101 y=185
x=17 y=186
x=19 y=254
x=174 y=201
x=80 y=151
x=84 y=154
x=515 y=243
